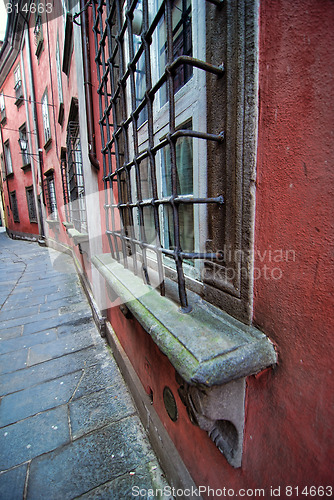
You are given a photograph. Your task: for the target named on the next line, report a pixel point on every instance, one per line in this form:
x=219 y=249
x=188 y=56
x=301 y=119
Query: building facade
x=180 y=151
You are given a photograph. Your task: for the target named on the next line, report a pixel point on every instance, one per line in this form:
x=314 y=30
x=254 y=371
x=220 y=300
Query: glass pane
x=145 y=178
x=150 y=233
x=182 y=44
x=140 y=83
x=186 y=225
x=184 y=163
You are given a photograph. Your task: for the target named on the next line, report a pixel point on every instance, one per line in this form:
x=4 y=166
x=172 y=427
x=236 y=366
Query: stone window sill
x=52 y=222
x=207 y=347
x=77 y=237
x=67 y=225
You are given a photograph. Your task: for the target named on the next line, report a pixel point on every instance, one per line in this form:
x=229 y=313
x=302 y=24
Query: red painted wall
x=45 y=77
x=289 y=413
x=293 y=440
x=16 y=116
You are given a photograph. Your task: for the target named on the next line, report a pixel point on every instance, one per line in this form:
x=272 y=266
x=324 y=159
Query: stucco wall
x=290 y=415
x=288 y=437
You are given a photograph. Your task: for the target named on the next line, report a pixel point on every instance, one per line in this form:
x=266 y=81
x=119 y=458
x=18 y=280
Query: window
x=72 y=173
x=2 y=102
x=8 y=159
x=68 y=44
x=31 y=204
x=179 y=141
x=18 y=86
x=38 y=32
x=60 y=85
x=2 y=109
x=13 y=202
x=46 y=119
x=64 y=177
x=50 y=196
x=75 y=179
x=24 y=152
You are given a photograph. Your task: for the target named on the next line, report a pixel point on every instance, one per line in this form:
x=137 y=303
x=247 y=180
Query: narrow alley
x=69 y=428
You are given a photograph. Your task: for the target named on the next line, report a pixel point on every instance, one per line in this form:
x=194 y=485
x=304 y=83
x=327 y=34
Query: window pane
x=46 y=119
x=9 y=165
x=184 y=165
x=60 y=85
x=182 y=44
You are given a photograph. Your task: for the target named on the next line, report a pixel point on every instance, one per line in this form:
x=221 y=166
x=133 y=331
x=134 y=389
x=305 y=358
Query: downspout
x=88 y=86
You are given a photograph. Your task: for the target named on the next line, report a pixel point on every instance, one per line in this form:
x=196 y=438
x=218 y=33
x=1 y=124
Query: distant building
x=181 y=152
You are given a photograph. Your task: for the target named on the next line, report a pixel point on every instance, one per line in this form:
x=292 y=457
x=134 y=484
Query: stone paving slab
x=68 y=425
x=90 y=461
x=12 y=344
x=12 y=483
x=130 y=484
x=33 y=400
x=33 y=436
x=49 y=370
x=96 y=409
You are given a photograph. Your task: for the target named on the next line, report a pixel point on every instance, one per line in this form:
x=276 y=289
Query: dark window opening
x=18 y=86
x=64 y=178
x=50 y=197
x=14 y=207
x=31 y=204
x=73 y=178
x=38 y=34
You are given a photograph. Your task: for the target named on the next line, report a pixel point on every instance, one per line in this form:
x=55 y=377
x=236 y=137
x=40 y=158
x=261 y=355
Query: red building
x=181 y=151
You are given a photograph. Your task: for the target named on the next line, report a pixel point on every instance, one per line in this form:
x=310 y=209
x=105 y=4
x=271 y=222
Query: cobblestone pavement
x=68 y=425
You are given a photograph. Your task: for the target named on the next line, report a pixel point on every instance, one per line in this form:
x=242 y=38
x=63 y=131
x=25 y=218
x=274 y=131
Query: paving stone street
x=68 y=425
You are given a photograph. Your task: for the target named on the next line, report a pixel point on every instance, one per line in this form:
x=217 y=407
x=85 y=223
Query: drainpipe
x=88 y=86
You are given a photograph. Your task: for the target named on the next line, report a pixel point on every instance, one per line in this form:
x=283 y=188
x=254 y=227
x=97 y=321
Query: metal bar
x=170 y=200
x=185 y=307
x=108 y=30
x=196 y=63
x=117 y=66
x=172 y=253
x=132 y=68
x=113 y=247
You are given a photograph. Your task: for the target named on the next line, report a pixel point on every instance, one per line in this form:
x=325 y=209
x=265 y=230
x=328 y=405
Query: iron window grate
x=74 y=179
x=64 y=178
x=31 y=204
x=50 y=197
x=14 y=207
x=119 y=119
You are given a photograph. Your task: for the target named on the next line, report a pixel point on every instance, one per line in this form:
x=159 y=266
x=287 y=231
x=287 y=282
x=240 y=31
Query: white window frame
x=46 y=117
x=8 y=158
x=17 y=75
x=2 y=102
x=59 y=80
